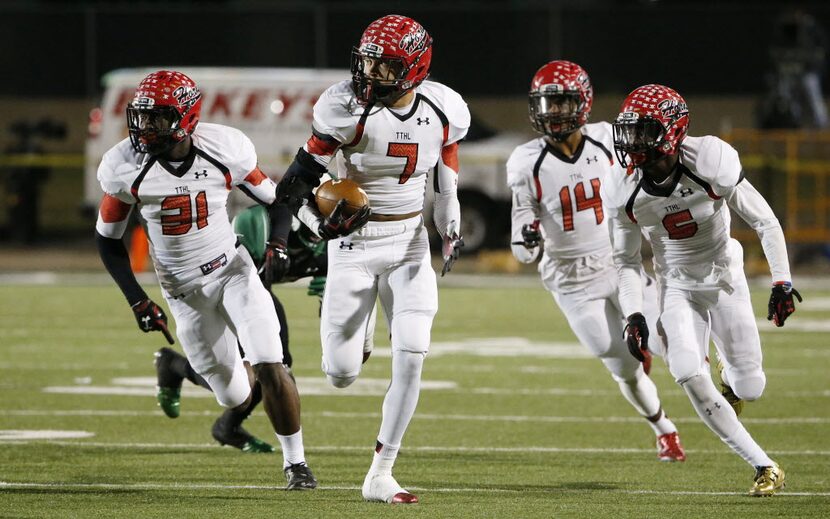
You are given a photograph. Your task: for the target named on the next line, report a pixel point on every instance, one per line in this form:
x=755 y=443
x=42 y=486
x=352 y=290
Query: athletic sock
x=292 y=448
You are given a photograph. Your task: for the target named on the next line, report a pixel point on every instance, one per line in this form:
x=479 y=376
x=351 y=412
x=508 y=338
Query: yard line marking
x=422 y=448
x=812 y=420
x=477 y=489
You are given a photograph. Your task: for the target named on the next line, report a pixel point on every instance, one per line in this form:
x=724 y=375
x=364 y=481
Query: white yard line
x=421 y=448
x=477 y=490
x=812 y=420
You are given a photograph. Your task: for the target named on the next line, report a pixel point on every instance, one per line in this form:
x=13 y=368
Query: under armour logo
x=686 y=191
x=589 y=159
x=425 y=120
x=346 y=245
x=201 y=174
x=145 y=322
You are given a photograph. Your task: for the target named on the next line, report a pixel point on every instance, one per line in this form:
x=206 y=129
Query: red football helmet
x=163 y=112
x=560 y=99
x=393 y=57
x=653 y=121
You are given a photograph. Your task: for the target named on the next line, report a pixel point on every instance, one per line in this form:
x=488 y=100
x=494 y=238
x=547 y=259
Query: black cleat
x=227 y=434
x=299 y=477
x=169 y=384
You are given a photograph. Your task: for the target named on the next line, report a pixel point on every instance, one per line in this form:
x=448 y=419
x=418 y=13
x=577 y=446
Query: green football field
x=515 y=420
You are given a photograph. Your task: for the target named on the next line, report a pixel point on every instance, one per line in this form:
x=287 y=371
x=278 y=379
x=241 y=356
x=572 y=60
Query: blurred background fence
x=752 y=73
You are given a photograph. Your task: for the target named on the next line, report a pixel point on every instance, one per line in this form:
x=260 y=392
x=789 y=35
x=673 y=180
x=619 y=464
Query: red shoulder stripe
x=114 y=210
x=449 y=156
x=255 y=177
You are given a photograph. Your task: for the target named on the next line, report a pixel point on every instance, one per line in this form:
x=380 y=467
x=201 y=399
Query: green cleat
x=169 y=400
x=169 y=383
x=226 y=433
x=725 y=390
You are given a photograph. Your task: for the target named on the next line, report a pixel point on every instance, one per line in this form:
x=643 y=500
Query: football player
x=305 y=256
x=392 y=128
x=177 y=174
x=678 y=192
x=556 y=182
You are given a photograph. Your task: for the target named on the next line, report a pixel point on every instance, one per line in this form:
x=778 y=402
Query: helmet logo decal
x=671 y=108
x=187 y=95
x=414 y=41
x=552 y=88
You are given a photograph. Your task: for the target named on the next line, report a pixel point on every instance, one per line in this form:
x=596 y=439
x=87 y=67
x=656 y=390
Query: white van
x=273 y=107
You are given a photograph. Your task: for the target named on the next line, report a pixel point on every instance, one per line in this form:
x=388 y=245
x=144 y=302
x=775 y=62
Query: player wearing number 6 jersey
x=556 y=181
x=178 y=176
x=678 y=192
x=393 y=130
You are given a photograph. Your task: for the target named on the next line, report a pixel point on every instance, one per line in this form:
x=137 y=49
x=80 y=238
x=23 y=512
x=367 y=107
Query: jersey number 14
x=582 y=203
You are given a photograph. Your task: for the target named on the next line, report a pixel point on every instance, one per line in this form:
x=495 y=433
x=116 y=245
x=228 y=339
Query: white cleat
x=384 y=488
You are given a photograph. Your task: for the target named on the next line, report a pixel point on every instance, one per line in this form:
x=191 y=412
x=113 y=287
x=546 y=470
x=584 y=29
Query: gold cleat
x=767 y=481
x=725 y=390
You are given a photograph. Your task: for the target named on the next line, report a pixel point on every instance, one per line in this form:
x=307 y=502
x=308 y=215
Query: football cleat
x=299 y=477
x=767 y=481
x=669 y=448
x=169 y=384
x=226 y=433
x=384 y=488
x=725 y=390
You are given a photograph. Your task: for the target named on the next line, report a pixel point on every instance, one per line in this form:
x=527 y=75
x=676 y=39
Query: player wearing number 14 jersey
x=556 y=181
x=390 y=130
x=177 y=174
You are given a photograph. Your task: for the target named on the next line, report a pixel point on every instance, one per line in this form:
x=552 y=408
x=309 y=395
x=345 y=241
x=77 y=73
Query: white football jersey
x=563 y=193
x=390 y=151
x=183 y=204
x=686 y=220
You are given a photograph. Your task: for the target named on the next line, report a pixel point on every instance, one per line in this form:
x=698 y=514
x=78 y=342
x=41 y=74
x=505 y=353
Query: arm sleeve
x=117 y=262
x=626 y=241
x=748 y=203
x=280 y=216
x=447 y=213
x=525 y=210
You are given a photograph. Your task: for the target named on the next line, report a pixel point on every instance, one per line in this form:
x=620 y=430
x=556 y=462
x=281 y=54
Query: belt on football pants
x=218 y=262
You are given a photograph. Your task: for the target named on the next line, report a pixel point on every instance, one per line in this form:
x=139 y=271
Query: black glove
x=530 y=236
x=150 y=317
x=276 y=264
x=636 y=337
x=781 y=303
x=335 y=225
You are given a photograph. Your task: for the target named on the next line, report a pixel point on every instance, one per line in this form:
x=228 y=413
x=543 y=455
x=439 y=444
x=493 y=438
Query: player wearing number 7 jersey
x=178 y=175
x=391 y=129
x=678 y=192
x=556 y=181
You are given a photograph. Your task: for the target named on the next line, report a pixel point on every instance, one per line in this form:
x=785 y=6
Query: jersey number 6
x=680 y=225
x=181 y=222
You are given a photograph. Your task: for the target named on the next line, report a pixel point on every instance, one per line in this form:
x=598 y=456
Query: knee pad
x=341 y=381
x=748 y=386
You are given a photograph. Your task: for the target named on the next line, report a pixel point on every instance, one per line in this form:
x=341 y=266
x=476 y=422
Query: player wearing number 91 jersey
x=556 y=181
x=678 y=192
x=178 y=173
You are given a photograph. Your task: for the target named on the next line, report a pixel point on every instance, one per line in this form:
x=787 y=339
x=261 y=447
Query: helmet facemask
x=639 y=139
x=556 y=115
x=154 y=130
x=378 y=79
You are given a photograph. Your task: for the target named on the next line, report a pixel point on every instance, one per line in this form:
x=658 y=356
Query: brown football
x=332 y=191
